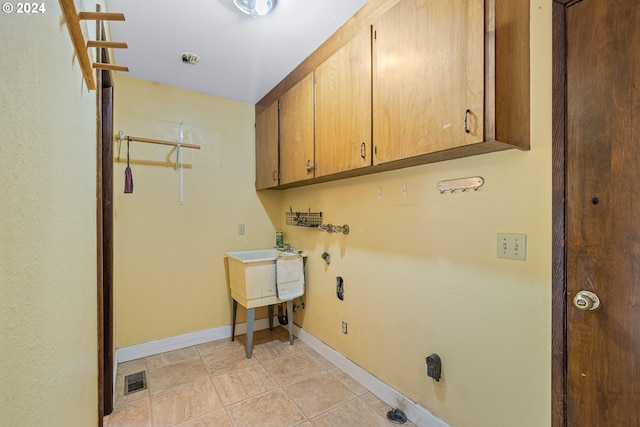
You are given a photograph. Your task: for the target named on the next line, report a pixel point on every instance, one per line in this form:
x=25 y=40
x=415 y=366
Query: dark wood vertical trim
x=104 y=231
x=558 y=305
x=99 y=261
x=99 y=238
x=107 y=244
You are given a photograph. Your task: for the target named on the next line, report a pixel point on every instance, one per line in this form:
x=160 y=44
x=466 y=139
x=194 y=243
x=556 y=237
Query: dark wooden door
x=603 y=212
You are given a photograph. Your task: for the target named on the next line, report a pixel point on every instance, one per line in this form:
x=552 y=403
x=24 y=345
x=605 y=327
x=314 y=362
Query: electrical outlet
x=240 y=229
x=344 y=327
x=512 y=246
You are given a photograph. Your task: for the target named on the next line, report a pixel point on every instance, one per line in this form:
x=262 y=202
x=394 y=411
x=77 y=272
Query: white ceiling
x=241 y=57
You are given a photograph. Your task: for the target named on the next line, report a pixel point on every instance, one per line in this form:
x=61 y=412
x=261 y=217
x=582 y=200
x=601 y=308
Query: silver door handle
x=587 y=301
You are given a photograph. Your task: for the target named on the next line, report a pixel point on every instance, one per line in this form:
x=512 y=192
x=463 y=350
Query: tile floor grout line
x=151 y=419
x=280 y=386
x=326 y=411
x=264 y=377
x=355 y=396
x=306 y=417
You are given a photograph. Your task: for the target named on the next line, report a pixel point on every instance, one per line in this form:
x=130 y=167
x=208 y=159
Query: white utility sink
x=255 y=256
x=252 y=276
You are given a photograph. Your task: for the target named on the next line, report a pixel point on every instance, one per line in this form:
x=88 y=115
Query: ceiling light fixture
x=255 y=8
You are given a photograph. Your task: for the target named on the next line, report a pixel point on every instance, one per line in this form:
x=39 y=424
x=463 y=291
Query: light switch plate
x=512 y=246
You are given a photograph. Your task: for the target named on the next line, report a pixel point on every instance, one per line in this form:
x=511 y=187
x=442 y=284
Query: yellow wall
x=169 y=273
x=48 y=338
x=420 y=270
x=421 y=273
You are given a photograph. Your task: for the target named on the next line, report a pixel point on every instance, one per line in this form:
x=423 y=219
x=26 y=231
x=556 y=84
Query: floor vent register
x=135 y=382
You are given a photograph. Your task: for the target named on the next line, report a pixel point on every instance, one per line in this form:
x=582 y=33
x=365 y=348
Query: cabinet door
x=428 y=79
x=343 y=108
x=267 y=172
x=297 y=162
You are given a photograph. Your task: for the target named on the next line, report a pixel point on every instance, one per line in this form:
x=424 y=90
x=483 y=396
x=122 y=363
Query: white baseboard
x=417 y=414
x=151 y=348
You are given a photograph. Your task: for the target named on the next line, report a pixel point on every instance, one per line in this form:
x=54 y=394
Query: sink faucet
x=286 y=247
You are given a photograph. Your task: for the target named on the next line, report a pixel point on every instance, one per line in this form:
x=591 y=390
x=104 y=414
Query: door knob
x=587 y=301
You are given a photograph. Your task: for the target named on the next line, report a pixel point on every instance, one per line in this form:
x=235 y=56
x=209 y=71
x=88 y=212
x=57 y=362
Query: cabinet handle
x=310 y=167
x=363 y=150
x=274 y=175
x=466 y=116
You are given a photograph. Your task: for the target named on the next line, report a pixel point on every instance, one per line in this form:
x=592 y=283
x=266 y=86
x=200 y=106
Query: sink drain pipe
x=282 y=318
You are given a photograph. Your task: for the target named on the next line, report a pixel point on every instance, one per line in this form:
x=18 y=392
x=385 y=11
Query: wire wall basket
x=303 y=219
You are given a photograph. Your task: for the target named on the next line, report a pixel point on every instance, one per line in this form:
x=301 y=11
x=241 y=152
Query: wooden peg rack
x=73 y=24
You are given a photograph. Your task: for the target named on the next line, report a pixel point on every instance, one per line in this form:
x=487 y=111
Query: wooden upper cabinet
x=297 y=160
x=428 y=78
x=419 y=81
x=267 y=172
x=343 y=108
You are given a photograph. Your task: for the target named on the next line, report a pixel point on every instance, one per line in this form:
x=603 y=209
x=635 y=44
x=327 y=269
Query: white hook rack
x=462 y=184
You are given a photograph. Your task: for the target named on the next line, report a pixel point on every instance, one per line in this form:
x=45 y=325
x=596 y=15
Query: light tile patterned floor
x=214 y=384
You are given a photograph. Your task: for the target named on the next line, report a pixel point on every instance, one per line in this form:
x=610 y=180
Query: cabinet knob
x=274 y=175
x=363 y=150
